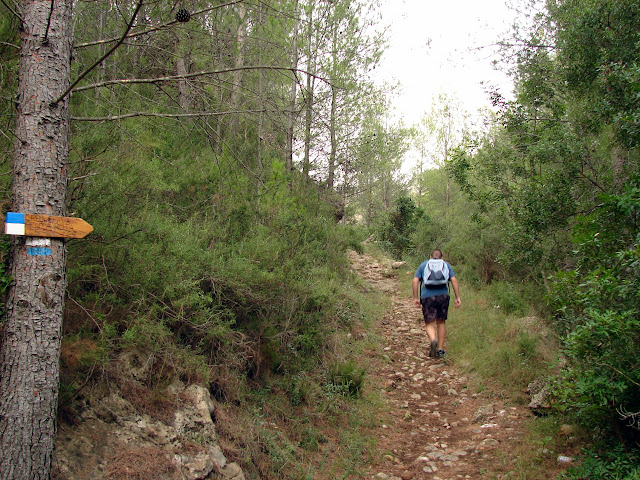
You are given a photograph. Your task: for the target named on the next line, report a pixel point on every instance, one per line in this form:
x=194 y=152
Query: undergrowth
x=257 y=304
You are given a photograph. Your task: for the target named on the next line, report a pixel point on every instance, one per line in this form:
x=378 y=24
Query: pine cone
x=183 y=15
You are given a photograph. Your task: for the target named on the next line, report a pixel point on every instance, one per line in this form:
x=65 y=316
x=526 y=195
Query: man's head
x=437 y=253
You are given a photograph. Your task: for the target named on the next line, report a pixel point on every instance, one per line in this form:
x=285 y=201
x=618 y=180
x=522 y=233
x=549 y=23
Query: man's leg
x=441 y=327
x=432 y=331
x=433 y=338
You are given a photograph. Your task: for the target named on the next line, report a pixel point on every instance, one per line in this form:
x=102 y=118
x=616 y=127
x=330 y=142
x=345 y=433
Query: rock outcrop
x=114 y=440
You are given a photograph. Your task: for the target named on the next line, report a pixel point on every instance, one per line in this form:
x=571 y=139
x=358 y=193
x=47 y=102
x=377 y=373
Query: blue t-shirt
x=433 y=291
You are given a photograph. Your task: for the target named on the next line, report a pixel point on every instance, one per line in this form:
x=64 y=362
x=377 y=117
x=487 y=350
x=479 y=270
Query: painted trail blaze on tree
x=32 y=330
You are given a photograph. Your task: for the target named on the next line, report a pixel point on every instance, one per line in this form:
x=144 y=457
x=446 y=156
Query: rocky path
x=437 y=426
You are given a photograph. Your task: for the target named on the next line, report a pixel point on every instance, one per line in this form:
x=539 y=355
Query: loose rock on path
x=437 y=426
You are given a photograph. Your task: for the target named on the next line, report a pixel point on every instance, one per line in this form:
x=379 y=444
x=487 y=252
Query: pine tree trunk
x=309 y=96
x=241 y=36
x=333 y=121
x=333 y=139
x=261 y=100
x=183 y=88
x=293 y=93
x=30 y=348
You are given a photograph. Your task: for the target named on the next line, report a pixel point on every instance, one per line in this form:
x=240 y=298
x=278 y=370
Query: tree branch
x=12 y=11
x=162 y=115
x=101 y=59
x=10 y=45
x=46 y=32
x=524 y=44
x=153 y=29
x=619 y=372
x=128 y=81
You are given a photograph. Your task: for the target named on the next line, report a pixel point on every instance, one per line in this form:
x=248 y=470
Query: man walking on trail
x=433 y=297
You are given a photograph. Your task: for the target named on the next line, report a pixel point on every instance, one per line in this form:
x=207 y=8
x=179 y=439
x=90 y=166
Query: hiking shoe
x=441 y=353
x=433 y=351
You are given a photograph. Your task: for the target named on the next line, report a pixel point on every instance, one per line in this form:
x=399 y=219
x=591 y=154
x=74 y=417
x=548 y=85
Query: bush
x=507 y=297
x=401 y=225
x=602 y=381
x=348 y=377
x=596 y=309
x=609 y=463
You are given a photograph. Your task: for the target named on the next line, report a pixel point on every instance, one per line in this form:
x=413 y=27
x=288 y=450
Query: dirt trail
x=437 y=426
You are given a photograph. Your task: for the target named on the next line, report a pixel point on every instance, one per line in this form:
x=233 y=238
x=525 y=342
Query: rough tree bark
x=31 y=335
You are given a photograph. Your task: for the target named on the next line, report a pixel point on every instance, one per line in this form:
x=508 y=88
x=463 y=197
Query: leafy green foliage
x=401 y=225
x=507 y=297
x=602 y=381
x=597 y=311
x=348 y=377
x=556 y=183
x=611 y=462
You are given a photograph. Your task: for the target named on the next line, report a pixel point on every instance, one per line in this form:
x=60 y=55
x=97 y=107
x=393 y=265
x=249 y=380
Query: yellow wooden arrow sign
x=46 y=226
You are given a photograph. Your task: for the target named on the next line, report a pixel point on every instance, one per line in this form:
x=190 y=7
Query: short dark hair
x=437 y=253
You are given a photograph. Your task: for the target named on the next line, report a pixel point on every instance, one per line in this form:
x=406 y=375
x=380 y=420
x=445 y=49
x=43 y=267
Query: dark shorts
x=435 y=308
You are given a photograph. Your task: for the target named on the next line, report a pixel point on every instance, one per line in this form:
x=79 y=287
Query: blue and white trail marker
x=38 y=246
x=48 y=226
x=14 y=224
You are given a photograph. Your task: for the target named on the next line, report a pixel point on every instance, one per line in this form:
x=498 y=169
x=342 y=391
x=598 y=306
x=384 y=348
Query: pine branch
x=101 y=59
x=129 y=81
x=15 y=13
x=162 y=115
x=153 y=29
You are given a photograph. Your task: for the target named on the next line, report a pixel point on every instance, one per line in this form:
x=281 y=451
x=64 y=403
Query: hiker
x=434 y=298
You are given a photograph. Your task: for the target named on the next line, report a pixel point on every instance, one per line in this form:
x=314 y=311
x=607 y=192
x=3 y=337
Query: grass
x=508 y=351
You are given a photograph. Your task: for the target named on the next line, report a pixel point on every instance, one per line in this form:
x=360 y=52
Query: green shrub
x=401 y=224
x=348 y=377
x=602 y=380
x=597 y=314
x=607 y=463
x=527 y=346
x=507 y=297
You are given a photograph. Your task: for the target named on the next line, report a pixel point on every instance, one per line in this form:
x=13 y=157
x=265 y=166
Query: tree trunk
x=241 y=35
x=30 y=348
x=294 y=90
x=333 y=140
x=333 y=121
x=309 y=96
x=261 y=100
x=183 y=88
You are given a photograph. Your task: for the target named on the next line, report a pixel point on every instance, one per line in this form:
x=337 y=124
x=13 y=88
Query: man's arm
x=456 y=291
x=416 y=291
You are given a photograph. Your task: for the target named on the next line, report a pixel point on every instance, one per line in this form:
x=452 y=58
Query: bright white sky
x=435 y=47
